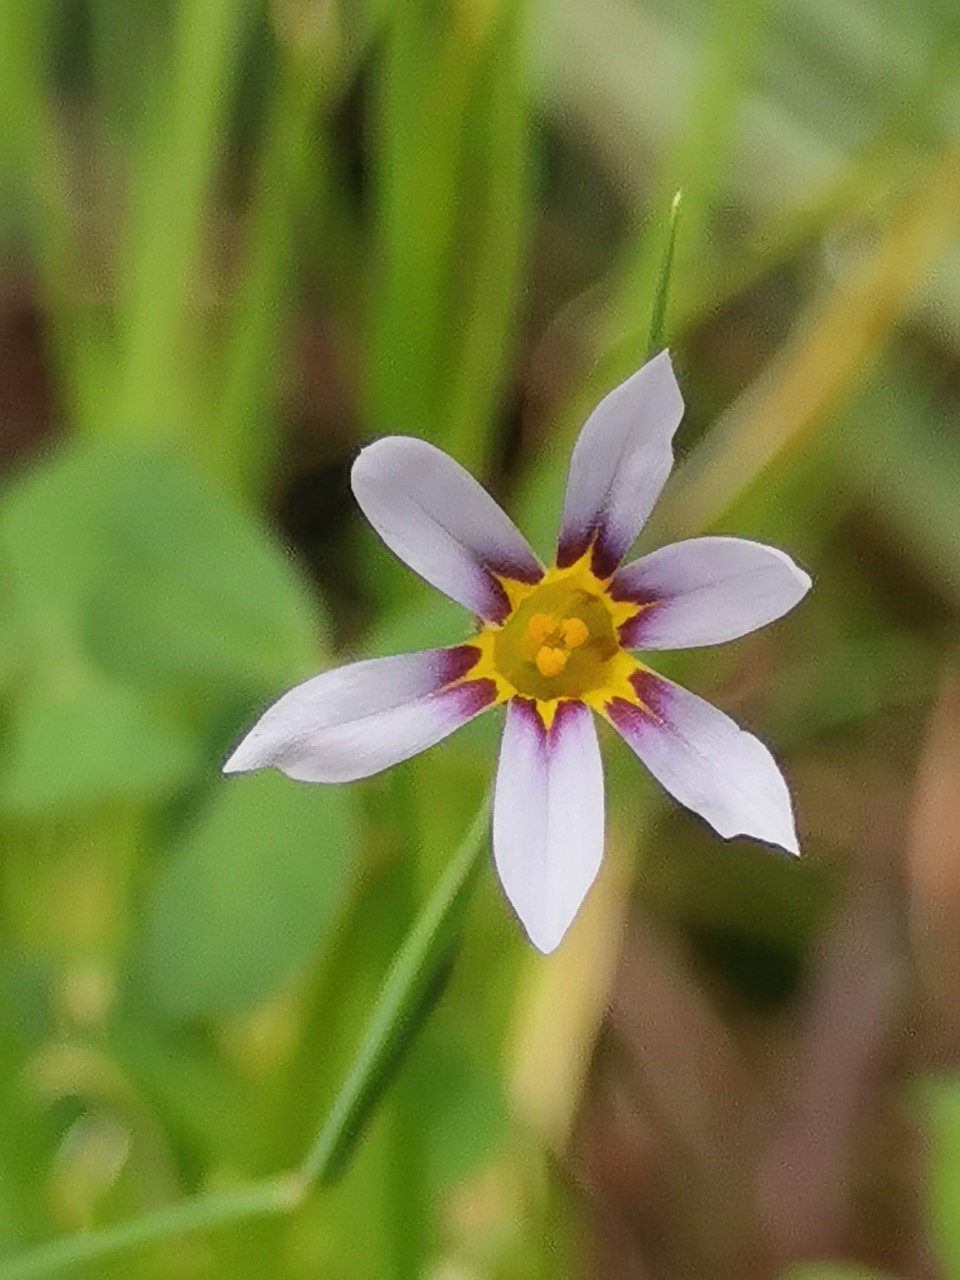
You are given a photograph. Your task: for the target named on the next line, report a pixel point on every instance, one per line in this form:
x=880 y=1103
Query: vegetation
x=241 y=238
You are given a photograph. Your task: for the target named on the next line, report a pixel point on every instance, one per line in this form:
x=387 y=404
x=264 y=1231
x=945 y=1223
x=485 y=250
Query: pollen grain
x=550 y=662
x=541 y=627
x=575 y=632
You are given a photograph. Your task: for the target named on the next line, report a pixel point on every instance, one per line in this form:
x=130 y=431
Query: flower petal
x=548 y=816
x=356 y=720
x=620 y=463
x=706 y=761
x=441 y=522
x=706 y=591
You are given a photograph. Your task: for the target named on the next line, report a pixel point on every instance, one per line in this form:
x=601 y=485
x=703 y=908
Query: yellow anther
x=550 y=662
x=574 y=632
x=540 y=627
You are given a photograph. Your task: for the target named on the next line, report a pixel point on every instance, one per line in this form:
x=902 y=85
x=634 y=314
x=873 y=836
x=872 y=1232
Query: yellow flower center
x=557 y=642
x=561 y=640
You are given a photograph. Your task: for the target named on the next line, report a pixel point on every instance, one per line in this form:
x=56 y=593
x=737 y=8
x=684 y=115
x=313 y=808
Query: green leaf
x=248 y=893
x=53 y=534
x=73 y=743
x=195 y=591
x=128 y=557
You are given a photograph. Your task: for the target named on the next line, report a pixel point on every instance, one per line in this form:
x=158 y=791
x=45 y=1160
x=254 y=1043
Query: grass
x=240 y=240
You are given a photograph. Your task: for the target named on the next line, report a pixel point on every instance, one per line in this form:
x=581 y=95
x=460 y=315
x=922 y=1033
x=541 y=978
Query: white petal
x=441 y=522
x=356 y=720
x=548 y=816
x=620 y=464
x=706 y=761
x=706 y=591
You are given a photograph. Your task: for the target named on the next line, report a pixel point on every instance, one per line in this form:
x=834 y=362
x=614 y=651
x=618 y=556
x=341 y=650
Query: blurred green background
x=241 y=237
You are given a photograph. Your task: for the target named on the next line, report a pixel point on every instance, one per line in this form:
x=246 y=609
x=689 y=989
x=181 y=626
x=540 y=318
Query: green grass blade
x=184 y=147
x=659 y=310
x=416 y=976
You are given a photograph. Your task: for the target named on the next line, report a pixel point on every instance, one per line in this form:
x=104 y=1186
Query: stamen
x=540 y=627
x=574 y=632
x=550 y=662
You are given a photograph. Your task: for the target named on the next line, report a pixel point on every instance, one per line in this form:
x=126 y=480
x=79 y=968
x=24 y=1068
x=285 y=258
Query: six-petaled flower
x=554 y=646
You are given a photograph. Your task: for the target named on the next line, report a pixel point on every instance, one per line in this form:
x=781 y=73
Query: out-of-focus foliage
x=239 y=238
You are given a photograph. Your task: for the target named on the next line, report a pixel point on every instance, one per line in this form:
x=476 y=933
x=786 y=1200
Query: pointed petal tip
x=241 y=760
x=545 y=943
x=779 y=834
x=803 y=579
x=775 y=829
x=782 y=843
x=791 y=846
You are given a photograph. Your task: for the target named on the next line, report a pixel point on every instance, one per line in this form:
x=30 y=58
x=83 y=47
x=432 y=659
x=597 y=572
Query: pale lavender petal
x=706 y=591
x=548 y=816
x=441 y=522
x=620 y=464
x=706 y=761
x=356 y=720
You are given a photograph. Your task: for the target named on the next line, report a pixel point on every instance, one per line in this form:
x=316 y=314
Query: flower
x=554 y=645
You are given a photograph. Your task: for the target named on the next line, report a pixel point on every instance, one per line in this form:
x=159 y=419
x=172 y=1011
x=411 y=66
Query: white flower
x=554 y=646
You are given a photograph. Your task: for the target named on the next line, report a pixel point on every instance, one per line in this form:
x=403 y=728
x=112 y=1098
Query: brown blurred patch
x=724 y=1137
x=933 y=867
x=26 y=391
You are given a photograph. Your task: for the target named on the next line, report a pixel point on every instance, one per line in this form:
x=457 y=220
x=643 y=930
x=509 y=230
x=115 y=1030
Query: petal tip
x=663 y=363
x=249 y=754
x=238 y=761
x=791 y=846
x=783 y=837
x=545 y=939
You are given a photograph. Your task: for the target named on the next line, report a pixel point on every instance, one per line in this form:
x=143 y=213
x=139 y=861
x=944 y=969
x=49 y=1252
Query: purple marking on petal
x=606 y=554
x=526 y=710
x=471 y=696
x=653 y=691
x=620 y=590
x=567 y=711
x=631 y=633
x=572 y=545
x=607 y=551
x=456 y=662
x=627 y=716
x=654 y=694
x=497 y=606
x=528 y=573
x=492 y=603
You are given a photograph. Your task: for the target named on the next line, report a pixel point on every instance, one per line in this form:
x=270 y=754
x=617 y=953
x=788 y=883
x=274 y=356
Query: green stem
x=414 y=974
x=253 y=1200
x=408 y=981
